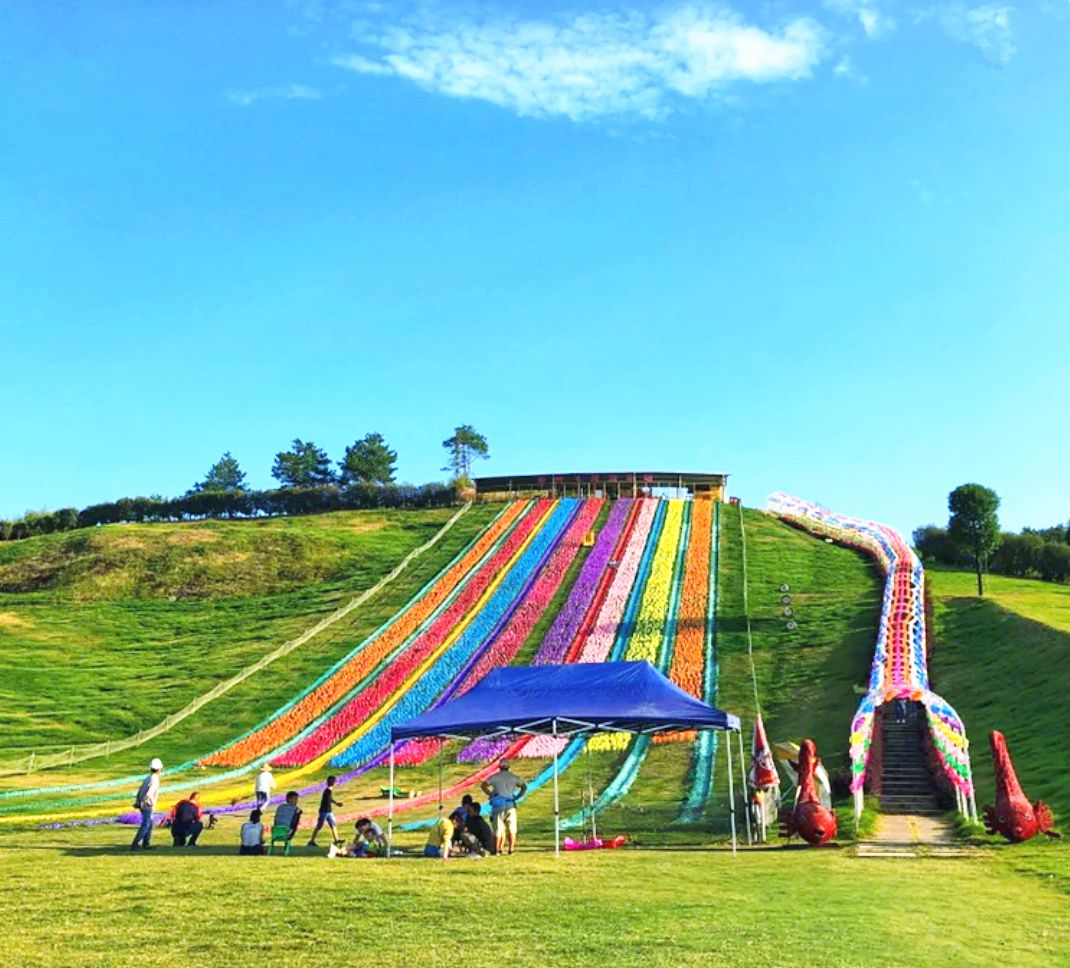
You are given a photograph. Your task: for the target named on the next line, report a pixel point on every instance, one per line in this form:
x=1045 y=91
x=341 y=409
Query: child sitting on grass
x=368 y=841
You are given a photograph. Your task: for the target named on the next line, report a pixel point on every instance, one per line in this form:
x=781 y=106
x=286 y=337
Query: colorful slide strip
x=621 y=597
x=689 y=652
x=393 y=679
x=653 y=640
x=353 y=668
x=900 y=663
x=607 y=637
x=482 y=625
x=562 y=642
x=704 y=752
x=645 y=637
x=572 y=615
x=502 y=648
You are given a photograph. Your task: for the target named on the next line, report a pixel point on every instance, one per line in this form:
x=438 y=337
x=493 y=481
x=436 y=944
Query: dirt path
x=908 y=835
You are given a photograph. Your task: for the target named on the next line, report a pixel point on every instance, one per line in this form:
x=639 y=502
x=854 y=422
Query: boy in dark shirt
x=326 y=812
x=478 y=828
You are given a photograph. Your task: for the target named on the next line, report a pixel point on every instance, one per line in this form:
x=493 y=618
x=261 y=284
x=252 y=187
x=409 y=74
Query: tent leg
x=731 y=796
x=557 y=803
x=440 y=780
x=390 y=808
x=743 y=790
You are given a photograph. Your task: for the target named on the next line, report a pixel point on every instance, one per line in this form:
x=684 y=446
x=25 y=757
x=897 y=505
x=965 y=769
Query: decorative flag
x=762 y=771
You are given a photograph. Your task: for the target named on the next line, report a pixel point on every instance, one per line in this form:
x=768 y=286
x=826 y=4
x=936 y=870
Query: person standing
x=326 y=812
x=504 y=789
x=145 y=802
x=265 y=783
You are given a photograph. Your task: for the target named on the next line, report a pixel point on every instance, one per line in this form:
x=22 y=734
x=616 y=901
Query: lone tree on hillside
x=303 y=465
x=224 y=475
x=465 y=446
x=974 y=525
x=368 y=461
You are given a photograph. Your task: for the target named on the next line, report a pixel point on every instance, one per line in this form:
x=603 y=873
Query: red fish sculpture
x=812 y=821
x=1013 y=815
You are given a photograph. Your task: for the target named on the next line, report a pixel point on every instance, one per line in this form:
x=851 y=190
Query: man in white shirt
x=504 y=789
x=145 y=803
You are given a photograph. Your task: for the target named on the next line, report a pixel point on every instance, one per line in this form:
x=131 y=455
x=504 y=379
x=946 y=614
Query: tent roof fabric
x=577 y=698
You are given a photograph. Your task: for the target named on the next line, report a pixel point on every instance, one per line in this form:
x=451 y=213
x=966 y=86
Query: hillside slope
x=1005 y=660
x=92 y=646
x=86 y=669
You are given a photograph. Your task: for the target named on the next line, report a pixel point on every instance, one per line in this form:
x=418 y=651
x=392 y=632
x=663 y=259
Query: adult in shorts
x=504 y=789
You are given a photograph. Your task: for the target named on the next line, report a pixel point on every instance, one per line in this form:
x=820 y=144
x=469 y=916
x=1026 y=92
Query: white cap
x=155 y=763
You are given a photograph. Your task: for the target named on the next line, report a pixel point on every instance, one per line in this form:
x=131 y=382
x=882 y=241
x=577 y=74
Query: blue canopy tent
x=568 y=700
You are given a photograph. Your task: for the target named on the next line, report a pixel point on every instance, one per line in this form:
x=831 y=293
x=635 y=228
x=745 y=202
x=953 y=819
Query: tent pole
x=731 y=795
x=390 y=808
x=743 y=790
x=557 y=804
x=440 y=779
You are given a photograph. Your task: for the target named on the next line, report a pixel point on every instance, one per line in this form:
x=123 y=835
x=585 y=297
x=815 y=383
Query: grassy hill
x=83 y=656
x=108 y=631
x=1004 y=663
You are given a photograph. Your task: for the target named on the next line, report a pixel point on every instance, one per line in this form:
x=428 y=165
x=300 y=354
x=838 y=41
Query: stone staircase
x=906 y=787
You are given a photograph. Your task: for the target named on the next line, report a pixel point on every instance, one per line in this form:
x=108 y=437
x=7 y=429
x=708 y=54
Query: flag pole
x=390 y=809
x=731 y=795
x=557 y=805
x=743 y=788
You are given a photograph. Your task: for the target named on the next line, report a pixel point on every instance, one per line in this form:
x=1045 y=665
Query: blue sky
x=822 y=246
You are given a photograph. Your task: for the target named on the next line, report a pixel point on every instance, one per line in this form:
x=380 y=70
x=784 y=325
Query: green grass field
x=79 y=898
x=83 y=656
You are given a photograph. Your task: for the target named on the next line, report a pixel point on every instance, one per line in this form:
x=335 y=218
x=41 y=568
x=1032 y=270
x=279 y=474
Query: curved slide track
x=900 y=661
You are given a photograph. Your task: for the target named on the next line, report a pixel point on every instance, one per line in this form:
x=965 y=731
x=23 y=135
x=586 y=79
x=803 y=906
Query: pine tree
x=465 y=446
x=368 y=461
x=303 y=465
x=224 y=475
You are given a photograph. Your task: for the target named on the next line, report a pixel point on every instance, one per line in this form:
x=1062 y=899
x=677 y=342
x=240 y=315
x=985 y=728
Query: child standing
x=326 y=812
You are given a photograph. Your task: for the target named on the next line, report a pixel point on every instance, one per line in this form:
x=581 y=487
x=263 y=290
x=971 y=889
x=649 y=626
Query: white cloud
x=290 y=92
x=987 y=27
x=874 y=22
x=589 y=65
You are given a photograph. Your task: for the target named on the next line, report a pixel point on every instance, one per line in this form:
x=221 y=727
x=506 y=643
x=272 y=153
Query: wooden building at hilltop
x=616 y=484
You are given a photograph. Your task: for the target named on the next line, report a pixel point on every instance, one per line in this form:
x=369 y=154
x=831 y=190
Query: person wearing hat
x=265 y=783
x=504 y=789
x=145 y=802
